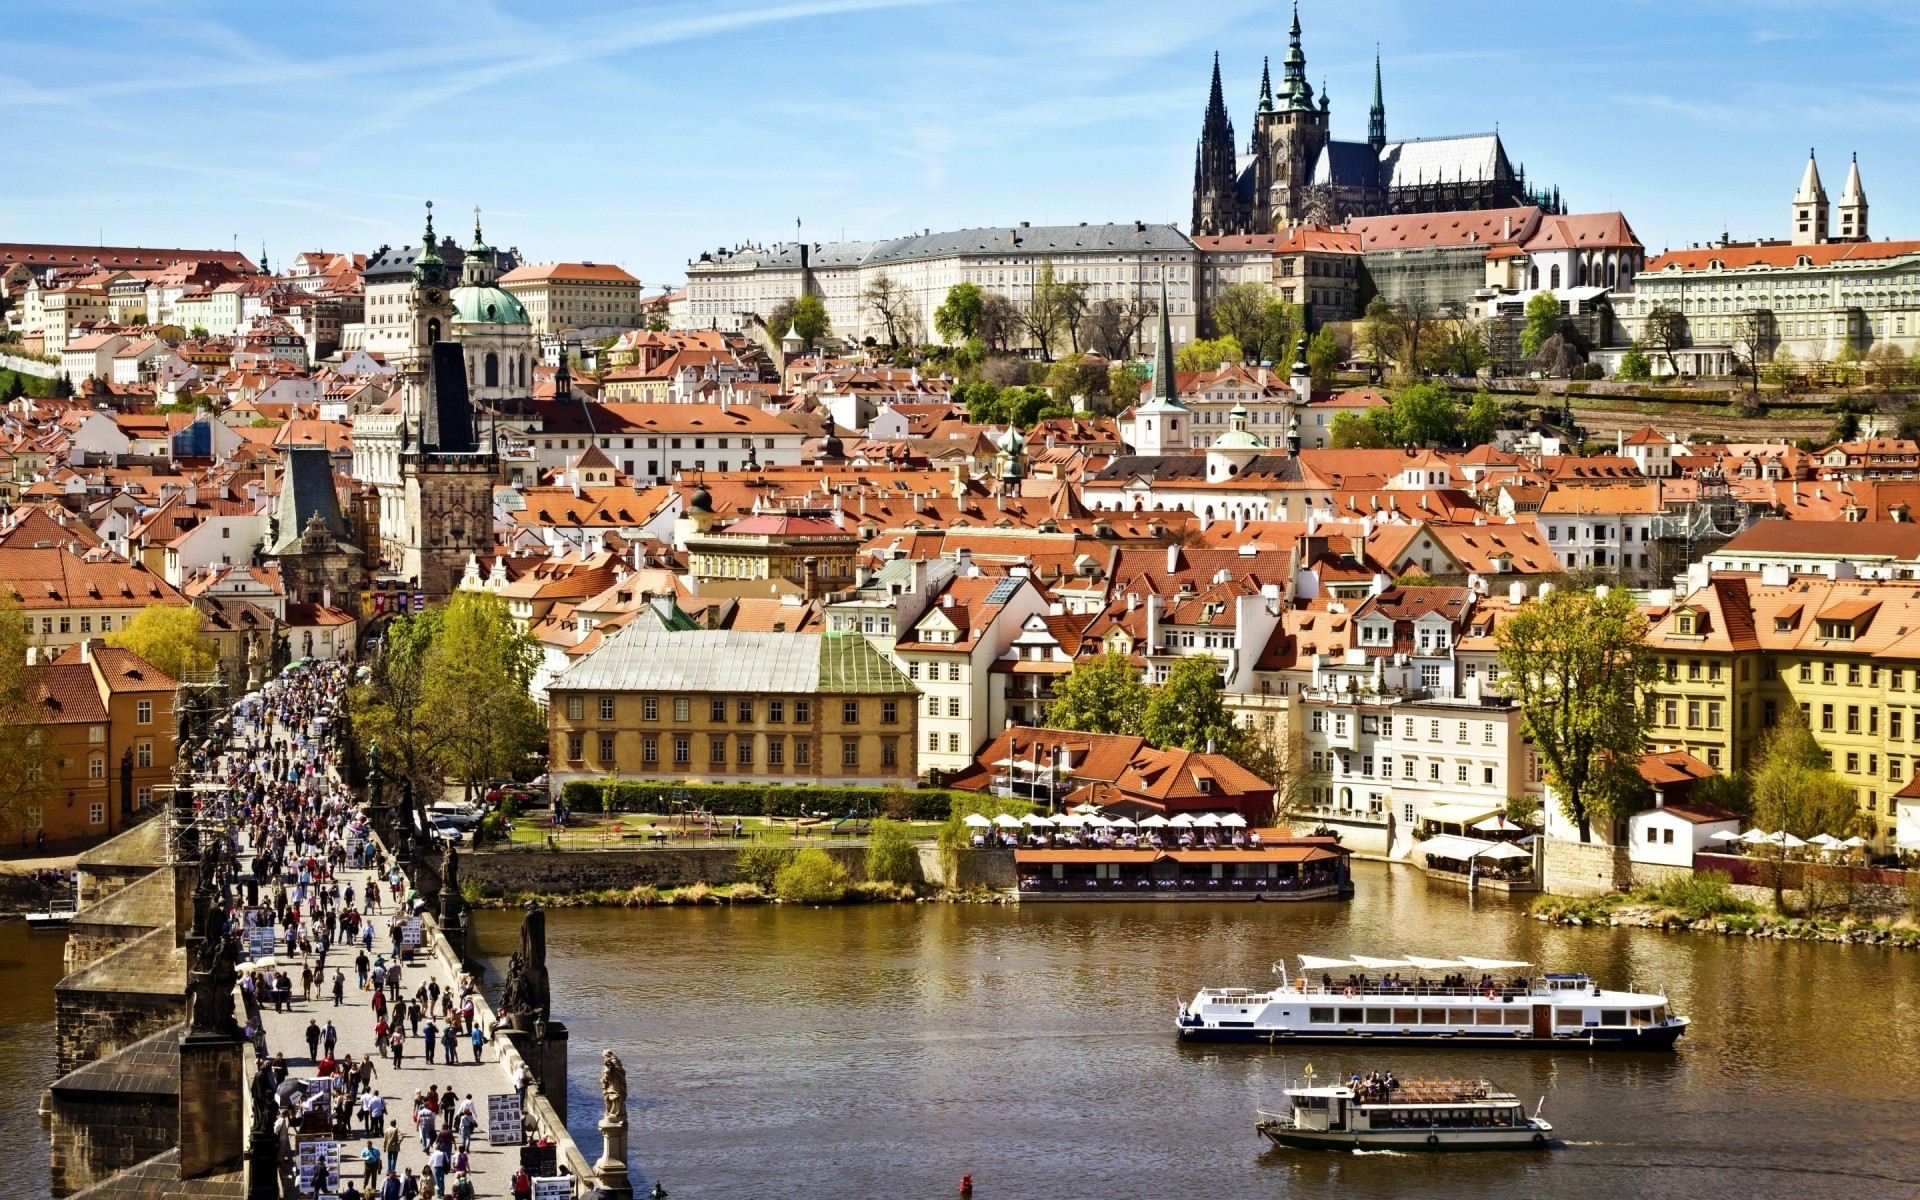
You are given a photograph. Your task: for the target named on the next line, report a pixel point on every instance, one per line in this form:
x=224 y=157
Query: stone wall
x=974 y=869
x=119 y=1000
x=100 y=1135
x=1585 y=868
x=555 y=871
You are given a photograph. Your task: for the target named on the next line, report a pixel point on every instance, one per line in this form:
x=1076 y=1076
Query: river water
x=883 y=1051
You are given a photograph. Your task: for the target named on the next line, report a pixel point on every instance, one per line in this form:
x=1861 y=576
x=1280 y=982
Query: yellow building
x=593 y=298
x=1736 y=654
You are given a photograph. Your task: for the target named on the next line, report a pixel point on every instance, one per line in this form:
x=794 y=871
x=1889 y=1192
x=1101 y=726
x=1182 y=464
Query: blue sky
x=642 y=134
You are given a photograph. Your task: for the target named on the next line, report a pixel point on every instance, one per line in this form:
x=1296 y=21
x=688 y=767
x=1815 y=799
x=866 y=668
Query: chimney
x=810 y=577
x=1133 y=601
x=1516 y=593
x=1173 y=560
x=1153 y=621
x=966 y=561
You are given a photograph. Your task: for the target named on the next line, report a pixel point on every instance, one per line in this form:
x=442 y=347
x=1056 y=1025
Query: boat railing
x=1339 y=991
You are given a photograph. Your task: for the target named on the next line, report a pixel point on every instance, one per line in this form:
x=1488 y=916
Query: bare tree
x=1663 y=332
x=1752 y=343
x=1403 y=330
x=887 y=302
x=1054 y=304
x=1000 y=322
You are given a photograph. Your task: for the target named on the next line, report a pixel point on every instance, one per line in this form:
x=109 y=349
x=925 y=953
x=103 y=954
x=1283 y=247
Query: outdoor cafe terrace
x=1152 y=864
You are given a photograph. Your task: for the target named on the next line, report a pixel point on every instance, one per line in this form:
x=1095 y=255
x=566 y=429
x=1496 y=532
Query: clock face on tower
x=433 y=297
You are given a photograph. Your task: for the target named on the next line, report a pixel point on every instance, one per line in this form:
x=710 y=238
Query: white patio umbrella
x=1501 y=850
x=1070 y=821
x=1156 y=821
x=1727 y=835
x=1856 y=840
x=1790 y=841
x=1824 y=839
x=1182 y=820
x=1234 y=821
x=1035 y=819
x=1497 y=823
x=1100 y=822
x=1208 y=820
x=1005 y=821
x=1756 y=837
x=1125 y=823
x=976 y=821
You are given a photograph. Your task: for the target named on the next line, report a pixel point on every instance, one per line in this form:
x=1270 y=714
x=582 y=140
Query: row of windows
x=653 y=443
x=744 y=750
x=1409 y=727
x=744 y=710
x=86 y=624
x=933 y=671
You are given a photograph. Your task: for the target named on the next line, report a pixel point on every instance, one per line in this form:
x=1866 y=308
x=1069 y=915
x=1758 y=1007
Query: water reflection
x=886 y=1051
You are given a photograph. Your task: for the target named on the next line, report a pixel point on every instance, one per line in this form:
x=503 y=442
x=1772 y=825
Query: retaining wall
x=557 y=871
x=1585 y=868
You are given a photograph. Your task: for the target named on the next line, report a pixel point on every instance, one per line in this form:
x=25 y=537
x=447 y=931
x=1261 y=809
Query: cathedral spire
x=1216 y=98
x=1298 y=91
x=1165 y=386
x=1266 y=85
x=1377 y=115
x=1216 y=166
x=429 y=268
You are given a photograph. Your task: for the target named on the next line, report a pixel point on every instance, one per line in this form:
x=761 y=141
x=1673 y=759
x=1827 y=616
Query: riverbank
x=698 y=894
x=1629 y=912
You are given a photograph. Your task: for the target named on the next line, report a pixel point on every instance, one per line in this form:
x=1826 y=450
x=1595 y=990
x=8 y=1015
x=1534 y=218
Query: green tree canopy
x=1100 y=695
x=1794 y=786
x=958 y=317
x=813 y=877
x=1576 y=662
x=805 y=315
x=891 y=857
x=1323 y=358
x=1206 y=354
x=1634 y=364
x=168 y=636
x=1188 y=711
x=1543 y=321
x=1240 y=312
x=477 y=673
x=389 y=711
x=1426 y=414
x=1352 y=431
x=1483 y=419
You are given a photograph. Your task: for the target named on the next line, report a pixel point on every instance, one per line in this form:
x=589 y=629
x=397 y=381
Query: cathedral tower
x=1216 y=199
x=1852 y=209
x=1810 y=208
x=1295 y=135
x=1377 y=115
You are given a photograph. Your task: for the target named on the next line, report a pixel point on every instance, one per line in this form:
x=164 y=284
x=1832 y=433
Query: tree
x=389 y=710
x=62 y=387
x=1055 y=302
x=1663 y=332
x=1426 y=414
x=477 y=674
x=1187 y=711
x=958 y=317
x=1240 y=311
x=197 y=332
x=891 y=857
x=1543 y=321
x=889 y=303
x=813 y=877
x=1462 y=349
x=1483 y=419
x=1576 y=662
x=1077 y=376
x=1323 y=358
x=1752 y=334
x=1000 y=323
x=1795 y=789
x=1100 y=695
x=1023 y=406
x=1206 y=354
x=169 y=636
x=810 y=319
x=982 y=399
x=1352 y=431
x=29 y=756
x=1634 y=364
x=1401 y=331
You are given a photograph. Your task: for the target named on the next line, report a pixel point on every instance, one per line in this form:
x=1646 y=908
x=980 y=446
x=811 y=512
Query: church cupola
x=429 y=269
x=478 y=269
x=1852 y=209
x=1810 y=207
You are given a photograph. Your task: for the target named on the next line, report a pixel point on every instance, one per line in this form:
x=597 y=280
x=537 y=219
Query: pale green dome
x=488 y=305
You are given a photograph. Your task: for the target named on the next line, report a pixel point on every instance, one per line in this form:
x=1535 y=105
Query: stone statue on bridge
x=525 y=1000
x=612 y=1167
x=212 y=972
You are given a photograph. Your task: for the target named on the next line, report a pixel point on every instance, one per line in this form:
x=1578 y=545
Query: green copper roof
x=488 y=305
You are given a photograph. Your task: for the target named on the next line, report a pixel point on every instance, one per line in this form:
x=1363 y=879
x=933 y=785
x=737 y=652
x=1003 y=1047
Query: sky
x=644 y=134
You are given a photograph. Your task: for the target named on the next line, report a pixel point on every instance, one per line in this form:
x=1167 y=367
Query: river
x=884 y=1051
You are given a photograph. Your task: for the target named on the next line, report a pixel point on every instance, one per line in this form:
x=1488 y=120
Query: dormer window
x=1685 y=623
x=1836 y=631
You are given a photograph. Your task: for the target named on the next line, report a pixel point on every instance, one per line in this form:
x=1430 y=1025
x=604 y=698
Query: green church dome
x=488 y=305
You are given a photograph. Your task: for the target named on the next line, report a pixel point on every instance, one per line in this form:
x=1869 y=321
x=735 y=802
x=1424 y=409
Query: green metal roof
x=488 y=306
x=831 y=664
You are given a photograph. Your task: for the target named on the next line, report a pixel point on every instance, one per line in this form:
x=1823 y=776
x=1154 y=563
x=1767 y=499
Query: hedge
x=750 y=800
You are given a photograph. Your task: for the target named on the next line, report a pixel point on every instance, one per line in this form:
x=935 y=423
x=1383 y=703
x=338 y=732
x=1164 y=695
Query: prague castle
x=1294 y=171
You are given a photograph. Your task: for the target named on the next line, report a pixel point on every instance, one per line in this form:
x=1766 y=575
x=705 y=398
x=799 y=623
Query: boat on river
x=1479 y=1002
x=1419 y=1114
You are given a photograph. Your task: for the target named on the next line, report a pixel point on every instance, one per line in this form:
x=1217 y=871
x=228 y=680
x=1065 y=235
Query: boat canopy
x=1312 y=962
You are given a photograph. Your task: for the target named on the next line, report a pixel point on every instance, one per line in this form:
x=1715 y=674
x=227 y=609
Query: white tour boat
x=1419 y=1114
x=1478 y=1002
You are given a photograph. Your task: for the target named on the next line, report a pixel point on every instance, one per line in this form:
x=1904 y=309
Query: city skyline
x=612 y=137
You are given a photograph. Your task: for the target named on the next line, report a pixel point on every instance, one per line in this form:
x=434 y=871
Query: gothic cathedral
x=447 y=473
x=1294 y=172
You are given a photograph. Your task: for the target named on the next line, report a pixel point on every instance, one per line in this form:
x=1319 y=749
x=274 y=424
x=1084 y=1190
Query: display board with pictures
x=504 y=1119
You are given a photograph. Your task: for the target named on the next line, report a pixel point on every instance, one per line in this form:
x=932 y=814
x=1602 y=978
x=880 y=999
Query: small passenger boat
x=1479 y=1002
x=1381 y=1113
